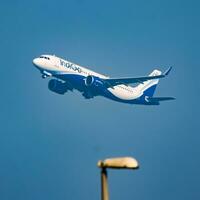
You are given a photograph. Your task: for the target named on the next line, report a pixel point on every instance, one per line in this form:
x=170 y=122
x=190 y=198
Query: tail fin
x=148 y=87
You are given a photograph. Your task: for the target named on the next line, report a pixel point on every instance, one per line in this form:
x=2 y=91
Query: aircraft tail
x=157 y=100
x=148 y=87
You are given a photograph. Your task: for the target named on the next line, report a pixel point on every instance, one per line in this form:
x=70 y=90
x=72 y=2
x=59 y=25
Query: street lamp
x=114 y=163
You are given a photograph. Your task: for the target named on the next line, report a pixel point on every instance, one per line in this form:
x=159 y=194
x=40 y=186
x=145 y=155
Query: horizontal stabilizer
x=157 y=99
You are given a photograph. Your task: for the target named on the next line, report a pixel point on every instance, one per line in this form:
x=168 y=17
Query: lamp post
x=114 y=163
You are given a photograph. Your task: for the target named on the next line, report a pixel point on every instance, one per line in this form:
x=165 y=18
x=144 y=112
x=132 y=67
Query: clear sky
x=50 y=144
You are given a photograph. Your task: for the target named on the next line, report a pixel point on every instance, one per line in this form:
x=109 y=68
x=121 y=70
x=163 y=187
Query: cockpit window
x=47 y=58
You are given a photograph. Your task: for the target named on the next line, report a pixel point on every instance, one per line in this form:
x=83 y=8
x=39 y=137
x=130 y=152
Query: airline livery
x=68 y=76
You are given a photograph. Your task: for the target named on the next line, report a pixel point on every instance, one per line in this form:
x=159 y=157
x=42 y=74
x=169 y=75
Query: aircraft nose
x=36 y=61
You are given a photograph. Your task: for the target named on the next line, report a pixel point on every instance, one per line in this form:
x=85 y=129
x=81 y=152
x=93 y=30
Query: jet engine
x=93 y=81
x=57 y=86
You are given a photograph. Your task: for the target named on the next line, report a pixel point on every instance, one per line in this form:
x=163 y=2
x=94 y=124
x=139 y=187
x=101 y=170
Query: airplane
x=68 y=76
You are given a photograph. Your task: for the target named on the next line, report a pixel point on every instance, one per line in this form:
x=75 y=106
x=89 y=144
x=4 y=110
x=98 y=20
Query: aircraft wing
x=117 y=81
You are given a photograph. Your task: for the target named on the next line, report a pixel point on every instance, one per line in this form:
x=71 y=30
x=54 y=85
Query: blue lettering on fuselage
x=70 y=66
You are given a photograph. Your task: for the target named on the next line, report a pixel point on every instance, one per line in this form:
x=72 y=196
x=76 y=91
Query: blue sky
x=50 y=144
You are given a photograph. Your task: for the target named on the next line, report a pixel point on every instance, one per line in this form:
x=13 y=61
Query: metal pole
x=104 y=185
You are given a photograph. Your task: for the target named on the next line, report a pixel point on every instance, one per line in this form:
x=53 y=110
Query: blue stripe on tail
x=150 y=91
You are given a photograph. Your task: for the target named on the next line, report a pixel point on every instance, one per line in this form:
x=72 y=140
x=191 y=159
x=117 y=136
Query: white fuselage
x=71 y=76
x=55 y=65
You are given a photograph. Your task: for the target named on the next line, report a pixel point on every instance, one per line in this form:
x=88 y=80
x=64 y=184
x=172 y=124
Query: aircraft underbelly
x=124 y=95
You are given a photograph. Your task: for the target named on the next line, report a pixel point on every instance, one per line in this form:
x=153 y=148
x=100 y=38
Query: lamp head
x=119 y=163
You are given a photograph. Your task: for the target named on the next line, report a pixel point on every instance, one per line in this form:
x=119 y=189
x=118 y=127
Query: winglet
x=167 y=71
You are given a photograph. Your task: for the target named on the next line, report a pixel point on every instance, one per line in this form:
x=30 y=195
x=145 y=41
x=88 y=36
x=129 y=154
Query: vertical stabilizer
x=148 y=87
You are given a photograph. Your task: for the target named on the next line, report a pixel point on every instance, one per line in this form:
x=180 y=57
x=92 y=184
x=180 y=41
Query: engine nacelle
x=93 y=81
x=89 y=80
x=57 y=86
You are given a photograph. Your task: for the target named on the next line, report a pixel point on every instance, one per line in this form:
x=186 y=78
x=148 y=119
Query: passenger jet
x=68 y=76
